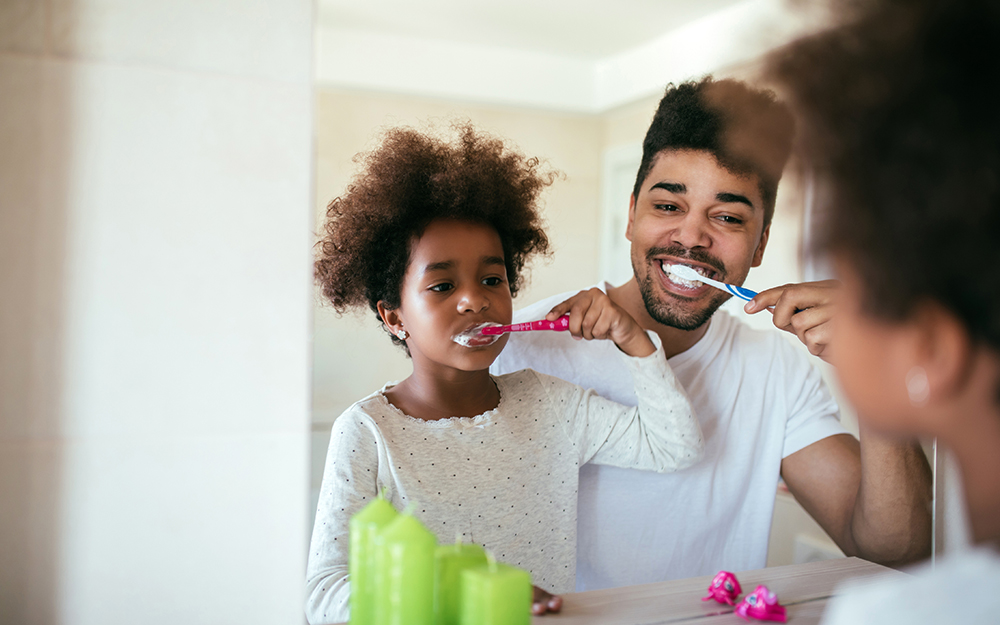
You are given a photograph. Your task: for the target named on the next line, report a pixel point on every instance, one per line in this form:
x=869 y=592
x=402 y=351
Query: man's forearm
x=891 y=523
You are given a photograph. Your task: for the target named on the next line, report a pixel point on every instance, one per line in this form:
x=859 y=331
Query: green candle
x=451 y=561
x=404 y=593
x=364 y=526
x=496 y=594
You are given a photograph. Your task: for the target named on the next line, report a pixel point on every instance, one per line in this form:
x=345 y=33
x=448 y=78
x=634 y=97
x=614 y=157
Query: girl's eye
x=493 y=281
x=441 y=288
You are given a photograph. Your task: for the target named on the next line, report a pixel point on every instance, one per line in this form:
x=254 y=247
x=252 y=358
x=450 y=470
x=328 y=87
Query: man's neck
x=674 y=340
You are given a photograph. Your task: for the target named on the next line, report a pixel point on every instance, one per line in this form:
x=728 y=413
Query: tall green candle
x=451 y=561
x=496 y=594
x=364 y=526
x=404 y=593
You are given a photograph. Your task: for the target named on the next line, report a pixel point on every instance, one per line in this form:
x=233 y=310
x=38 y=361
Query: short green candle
x=496 y=594
x=364 y=526
x=404 y=578
x=451 y=561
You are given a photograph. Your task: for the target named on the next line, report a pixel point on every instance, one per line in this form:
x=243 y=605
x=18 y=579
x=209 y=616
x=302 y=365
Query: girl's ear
x=390 y=317
x=945 y=351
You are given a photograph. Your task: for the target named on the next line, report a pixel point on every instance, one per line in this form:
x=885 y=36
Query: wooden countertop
x=802 y=588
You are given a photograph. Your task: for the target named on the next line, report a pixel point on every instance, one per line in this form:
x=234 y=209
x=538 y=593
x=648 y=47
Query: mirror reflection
x=701 y=176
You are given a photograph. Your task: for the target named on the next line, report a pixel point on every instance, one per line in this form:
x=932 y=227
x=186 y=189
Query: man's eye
x=493 y=281
x=729 y=219
x=441 y=288
x=665 y=207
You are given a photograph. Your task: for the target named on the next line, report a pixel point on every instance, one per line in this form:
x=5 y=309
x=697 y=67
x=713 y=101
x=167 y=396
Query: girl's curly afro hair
x=411 y=179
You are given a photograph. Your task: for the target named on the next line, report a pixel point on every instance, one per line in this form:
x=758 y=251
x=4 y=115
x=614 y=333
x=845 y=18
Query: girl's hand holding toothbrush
x=592 y=315
x=805 y=310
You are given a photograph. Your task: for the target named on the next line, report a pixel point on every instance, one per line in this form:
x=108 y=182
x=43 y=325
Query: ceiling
x=584 y=56
x=583 y=29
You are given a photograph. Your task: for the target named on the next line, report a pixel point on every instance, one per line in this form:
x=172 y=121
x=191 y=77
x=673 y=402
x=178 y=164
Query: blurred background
x=168 y=376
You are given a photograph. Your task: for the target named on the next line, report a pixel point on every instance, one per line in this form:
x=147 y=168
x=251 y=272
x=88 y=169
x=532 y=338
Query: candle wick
x=491 y=561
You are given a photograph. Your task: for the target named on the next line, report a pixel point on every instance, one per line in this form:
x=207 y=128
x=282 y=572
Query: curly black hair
x=747 y=130
x=411 y=179
x=900 y=115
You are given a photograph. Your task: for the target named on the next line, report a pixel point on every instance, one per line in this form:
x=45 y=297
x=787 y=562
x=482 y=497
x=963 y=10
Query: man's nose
x=692 y=231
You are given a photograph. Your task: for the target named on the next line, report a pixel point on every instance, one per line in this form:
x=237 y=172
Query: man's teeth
x=690 y=284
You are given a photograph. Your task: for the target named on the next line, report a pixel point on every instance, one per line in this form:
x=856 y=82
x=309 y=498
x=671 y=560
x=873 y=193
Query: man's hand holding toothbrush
x=805 y=310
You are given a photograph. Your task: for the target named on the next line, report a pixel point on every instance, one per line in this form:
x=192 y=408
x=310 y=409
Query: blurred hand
x=543 y=602
x=592 y=315
x=804 y=309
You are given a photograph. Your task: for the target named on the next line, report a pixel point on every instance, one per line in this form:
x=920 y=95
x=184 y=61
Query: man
x=703 y=197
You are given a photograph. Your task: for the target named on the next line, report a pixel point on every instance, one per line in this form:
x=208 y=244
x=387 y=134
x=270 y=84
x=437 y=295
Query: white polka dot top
x=505 y=479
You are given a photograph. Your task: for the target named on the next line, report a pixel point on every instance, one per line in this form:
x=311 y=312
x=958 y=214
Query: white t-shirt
x=758 y=399
x=961 y=589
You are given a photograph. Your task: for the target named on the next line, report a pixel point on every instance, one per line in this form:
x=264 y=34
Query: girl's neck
x=978 y=455
x=971 y=430
x=434 y=396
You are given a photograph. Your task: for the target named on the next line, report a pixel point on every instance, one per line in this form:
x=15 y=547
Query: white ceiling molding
x=732 y=36
x=477 y=73
x=443 y=69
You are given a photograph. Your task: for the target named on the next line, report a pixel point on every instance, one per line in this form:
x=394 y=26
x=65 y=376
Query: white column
x=155 y=296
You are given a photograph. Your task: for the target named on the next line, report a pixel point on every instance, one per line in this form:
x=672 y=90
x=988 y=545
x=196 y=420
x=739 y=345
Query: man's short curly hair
x=900 y=115
x=747 y=130
x=411 y=179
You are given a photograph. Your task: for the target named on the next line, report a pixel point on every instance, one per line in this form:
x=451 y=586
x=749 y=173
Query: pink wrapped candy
x=762 y=604
x=724 y=588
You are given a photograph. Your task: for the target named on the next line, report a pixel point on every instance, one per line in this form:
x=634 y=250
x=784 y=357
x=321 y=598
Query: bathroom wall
x=155 y=302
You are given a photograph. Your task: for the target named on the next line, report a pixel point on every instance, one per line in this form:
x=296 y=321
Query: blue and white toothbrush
x=686 y=273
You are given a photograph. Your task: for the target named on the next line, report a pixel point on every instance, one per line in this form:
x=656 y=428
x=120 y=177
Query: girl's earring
x=401 y=335
x=918 y=387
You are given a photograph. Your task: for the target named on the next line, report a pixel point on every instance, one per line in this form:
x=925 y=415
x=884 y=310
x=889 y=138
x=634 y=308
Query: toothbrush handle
x=562 y=323
x=740 y=292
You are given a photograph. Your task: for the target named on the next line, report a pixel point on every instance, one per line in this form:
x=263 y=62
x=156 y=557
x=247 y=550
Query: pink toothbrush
x=562 y=323
x=488 y=333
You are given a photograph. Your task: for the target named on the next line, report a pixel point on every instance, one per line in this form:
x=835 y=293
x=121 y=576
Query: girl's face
x=873 y=358
x=456 y=279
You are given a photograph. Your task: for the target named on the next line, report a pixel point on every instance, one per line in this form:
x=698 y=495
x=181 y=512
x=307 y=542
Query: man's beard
x=662 y=311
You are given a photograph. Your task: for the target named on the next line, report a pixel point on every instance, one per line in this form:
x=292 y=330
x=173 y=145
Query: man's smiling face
x=692 y=211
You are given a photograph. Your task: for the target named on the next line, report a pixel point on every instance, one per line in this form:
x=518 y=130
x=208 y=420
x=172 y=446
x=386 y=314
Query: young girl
x=433 y=236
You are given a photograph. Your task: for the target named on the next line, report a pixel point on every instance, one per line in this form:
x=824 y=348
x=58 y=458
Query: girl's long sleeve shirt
x=505 y=479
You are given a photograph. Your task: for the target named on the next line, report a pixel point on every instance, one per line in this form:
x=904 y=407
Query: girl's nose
x=692 y=231
x=473 y=300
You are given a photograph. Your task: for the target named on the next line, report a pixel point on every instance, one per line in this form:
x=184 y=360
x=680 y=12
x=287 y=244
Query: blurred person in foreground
x=899 y=109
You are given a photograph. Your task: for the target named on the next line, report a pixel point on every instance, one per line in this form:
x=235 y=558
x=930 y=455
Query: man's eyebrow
x=734 y=197
x=673 y=187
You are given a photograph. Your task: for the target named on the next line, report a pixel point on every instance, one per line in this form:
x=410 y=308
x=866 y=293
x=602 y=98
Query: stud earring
x=402 y=335
x=918 y=387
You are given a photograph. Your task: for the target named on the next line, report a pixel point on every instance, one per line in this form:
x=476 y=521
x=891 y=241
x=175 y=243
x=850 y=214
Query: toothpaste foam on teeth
x=676 y=273
x=473 y=337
